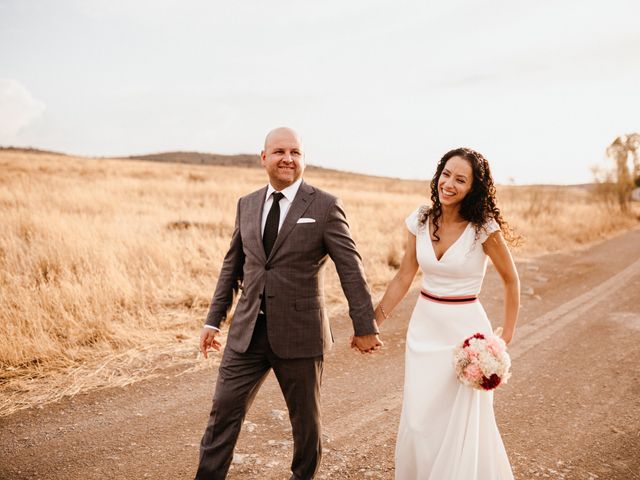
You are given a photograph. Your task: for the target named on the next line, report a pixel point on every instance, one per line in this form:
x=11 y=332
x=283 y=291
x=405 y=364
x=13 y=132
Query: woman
x=447 y=430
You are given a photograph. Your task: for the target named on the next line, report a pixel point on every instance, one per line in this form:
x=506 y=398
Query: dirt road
x=570 y=411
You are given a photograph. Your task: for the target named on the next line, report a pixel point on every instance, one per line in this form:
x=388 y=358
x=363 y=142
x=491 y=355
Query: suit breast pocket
x=305 y=227
x=304 y=237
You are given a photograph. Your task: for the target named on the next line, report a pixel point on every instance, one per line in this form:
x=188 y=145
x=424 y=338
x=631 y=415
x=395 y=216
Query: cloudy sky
x=380 y=87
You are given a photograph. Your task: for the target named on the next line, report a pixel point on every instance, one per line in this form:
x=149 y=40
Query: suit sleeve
x=342 y=250
x=229 y=280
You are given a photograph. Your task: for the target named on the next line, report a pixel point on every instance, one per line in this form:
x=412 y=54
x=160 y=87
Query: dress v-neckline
x=438 y=260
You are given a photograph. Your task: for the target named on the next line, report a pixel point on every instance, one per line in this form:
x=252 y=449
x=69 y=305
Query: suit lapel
x=256 y=208
x=303 y=199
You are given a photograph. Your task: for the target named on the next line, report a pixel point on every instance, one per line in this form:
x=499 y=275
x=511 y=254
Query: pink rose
x=495 y=345
x=473 y=372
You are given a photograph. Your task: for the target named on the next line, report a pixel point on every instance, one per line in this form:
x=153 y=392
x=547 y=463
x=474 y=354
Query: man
x=282 y=237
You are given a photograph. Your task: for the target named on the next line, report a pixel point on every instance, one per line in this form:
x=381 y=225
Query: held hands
x=208 y=340
x=366 y=343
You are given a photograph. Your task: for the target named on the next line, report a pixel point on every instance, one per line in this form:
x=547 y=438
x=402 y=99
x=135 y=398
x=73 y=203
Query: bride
x=448 y=430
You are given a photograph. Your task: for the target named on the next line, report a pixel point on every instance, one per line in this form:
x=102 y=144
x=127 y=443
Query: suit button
x=267 y=267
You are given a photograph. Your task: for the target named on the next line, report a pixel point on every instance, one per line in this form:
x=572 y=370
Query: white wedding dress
x=447 y=430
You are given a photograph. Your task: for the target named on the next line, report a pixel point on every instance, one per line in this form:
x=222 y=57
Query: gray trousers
x=239 y=378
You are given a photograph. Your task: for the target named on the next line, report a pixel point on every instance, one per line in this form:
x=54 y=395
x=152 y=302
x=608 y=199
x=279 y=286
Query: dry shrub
x=554 y=218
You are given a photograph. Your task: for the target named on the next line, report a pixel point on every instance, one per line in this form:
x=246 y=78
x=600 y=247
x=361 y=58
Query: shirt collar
x=289 y=192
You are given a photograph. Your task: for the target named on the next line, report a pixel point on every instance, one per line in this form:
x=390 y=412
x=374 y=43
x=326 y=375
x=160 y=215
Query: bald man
x=283 y=234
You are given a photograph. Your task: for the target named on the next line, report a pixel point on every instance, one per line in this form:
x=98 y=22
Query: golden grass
x=107 y=266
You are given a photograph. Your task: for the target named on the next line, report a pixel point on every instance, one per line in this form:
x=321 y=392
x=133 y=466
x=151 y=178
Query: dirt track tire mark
x=537 y=331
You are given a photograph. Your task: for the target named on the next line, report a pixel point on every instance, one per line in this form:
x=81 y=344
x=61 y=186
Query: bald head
x=282 y=132
x=283 y=157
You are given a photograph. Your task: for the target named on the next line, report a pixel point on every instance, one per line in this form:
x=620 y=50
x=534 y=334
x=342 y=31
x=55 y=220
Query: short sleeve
x=412 y=221
x=490 y=226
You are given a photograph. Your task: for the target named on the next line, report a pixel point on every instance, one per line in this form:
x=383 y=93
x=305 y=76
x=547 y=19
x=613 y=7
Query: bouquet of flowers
x=482 y=361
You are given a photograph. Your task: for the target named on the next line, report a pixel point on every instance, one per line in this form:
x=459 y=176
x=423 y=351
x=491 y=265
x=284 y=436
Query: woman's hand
x=506 y=336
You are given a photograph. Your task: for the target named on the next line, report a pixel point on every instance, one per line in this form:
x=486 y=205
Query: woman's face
x=455 y=181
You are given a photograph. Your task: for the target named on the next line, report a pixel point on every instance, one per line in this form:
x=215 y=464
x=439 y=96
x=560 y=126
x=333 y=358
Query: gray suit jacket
x=292 y=276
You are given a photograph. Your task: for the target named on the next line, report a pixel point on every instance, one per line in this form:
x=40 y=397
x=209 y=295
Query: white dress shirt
x=285 y=202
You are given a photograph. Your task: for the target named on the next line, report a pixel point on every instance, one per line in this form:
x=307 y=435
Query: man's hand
x=366 y=343
x=208 y=340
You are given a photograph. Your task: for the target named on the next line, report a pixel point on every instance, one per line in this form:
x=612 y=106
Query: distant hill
x=198 y=158
x=193 y=158
x=30 y=150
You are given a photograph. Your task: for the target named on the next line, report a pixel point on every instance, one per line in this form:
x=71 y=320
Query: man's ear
x=263 y=157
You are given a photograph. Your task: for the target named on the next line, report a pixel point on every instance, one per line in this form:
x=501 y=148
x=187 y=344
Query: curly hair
x=479 y=205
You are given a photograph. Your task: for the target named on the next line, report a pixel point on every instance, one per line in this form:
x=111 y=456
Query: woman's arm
x=496 y=248
x=399 y=286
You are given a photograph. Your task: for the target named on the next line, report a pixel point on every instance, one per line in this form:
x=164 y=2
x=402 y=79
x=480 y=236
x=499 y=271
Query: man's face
x=283 y=158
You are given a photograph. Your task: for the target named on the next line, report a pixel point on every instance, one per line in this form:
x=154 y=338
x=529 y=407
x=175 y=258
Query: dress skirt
x=447 y=430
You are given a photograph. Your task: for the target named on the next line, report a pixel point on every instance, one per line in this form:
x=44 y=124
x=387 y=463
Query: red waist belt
x=435 y=298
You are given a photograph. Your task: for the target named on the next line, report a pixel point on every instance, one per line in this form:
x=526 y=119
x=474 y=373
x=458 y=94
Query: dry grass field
x=107 y=266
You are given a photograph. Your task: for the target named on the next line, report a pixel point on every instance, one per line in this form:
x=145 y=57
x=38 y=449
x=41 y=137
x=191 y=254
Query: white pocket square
x=306 y=220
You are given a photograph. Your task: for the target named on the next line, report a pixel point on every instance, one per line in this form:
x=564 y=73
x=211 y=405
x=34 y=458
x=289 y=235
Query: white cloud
x=18 y=109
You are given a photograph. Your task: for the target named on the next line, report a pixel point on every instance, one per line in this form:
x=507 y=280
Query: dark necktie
x=270 y=234
x=271 y=226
